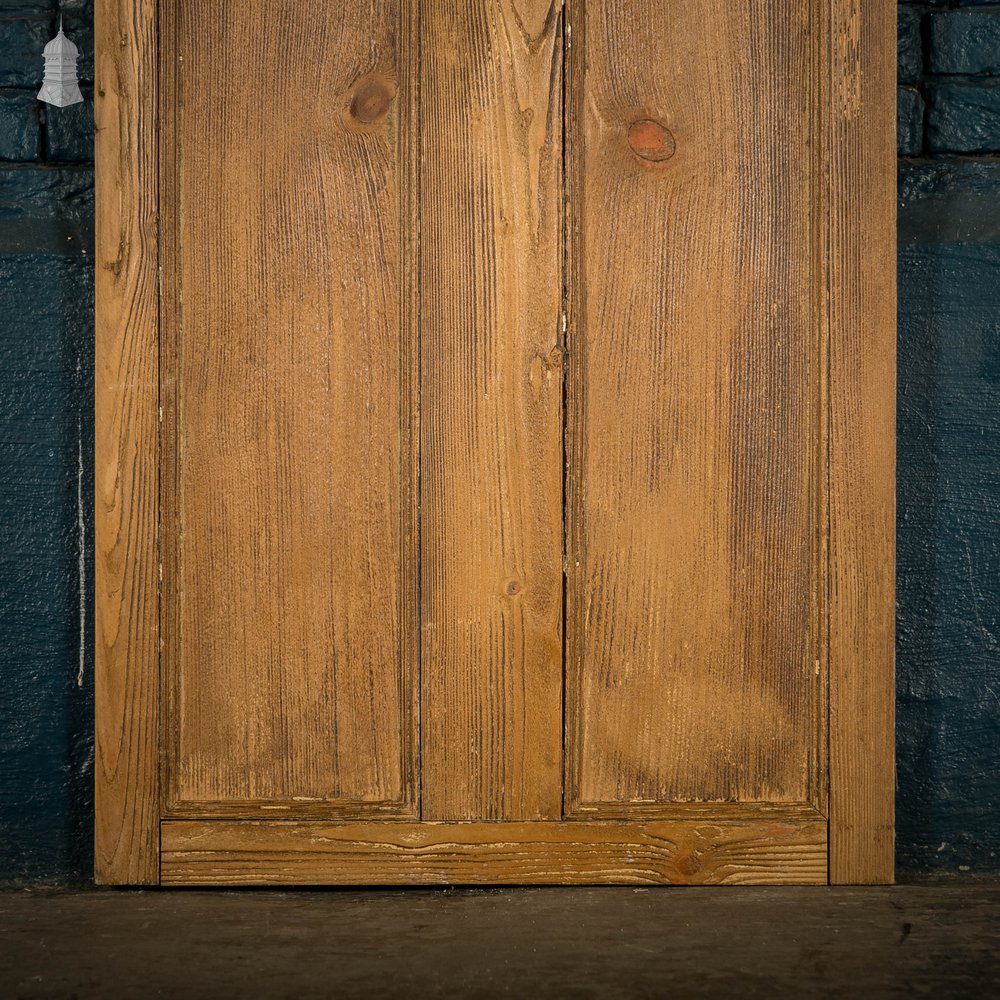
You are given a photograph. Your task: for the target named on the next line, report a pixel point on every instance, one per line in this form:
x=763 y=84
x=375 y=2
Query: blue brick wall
x=46 y=452
x=948 y=424
x=948 y=651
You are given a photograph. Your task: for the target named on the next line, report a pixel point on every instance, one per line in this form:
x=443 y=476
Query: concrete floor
x=608 y=942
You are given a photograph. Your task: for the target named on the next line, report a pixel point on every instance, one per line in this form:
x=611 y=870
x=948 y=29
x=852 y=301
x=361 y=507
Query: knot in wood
x=688 y=863
x=371 y=99
x=651 y=141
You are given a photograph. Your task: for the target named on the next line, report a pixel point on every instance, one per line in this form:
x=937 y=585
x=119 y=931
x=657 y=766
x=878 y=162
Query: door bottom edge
x=603 y=852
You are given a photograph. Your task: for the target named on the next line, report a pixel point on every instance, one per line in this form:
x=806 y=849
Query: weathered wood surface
x=292 y=568
x=491 y=398
x=861 y=277
x=126 y=388
x=694 y=661
x=726 y=242
x=679 y=852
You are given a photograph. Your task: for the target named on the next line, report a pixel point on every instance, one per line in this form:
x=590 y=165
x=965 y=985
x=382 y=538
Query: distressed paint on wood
x=861 y=277
x=679 y=852
x=292 y=567
x=491 y=495
x=126 y=388
x=694 y=662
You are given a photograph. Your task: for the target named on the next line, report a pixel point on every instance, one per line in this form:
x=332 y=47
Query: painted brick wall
x=949 y=446
x=948 y=423
x=46 y=433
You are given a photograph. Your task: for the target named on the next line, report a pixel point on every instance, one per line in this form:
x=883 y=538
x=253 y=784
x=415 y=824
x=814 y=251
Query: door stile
x=126 y=387
x=861 y=283
x=491 y=424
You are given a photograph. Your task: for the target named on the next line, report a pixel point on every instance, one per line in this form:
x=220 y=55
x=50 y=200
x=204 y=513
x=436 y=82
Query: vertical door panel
x=695 y=399
x=491 y=392
x=290 y=562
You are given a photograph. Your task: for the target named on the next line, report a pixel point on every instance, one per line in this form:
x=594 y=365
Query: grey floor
x=936 y=941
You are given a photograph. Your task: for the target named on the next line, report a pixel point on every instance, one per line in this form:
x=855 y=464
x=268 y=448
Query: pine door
x=495 y=441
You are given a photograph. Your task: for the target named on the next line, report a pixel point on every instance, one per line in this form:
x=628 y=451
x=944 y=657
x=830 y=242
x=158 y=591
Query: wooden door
x=495 y=441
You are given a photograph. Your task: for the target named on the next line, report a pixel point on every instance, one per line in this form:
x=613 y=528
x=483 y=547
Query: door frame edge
x=860 y=284
x=126 y=444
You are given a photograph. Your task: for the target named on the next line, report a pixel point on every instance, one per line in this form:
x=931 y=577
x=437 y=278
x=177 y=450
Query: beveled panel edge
x=718 y=811
x=333 y=810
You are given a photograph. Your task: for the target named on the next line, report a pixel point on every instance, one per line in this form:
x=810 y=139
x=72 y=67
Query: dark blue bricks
x=20 y=132
x=963 y=116
x=21 y=42
x=948 y=516
x=966 y=42
x=909 y=45
x=909 y=121
x=70 y=131
x=948 y=439
x=31 y=132
x=948 y=57
x=46 y=453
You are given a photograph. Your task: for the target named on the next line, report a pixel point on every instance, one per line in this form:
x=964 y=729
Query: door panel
x=290 y=551
x=491 y=395
x=694 y=664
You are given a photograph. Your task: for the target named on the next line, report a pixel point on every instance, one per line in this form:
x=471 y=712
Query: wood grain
x=491 y=392
x=126 y=694
x=364 y=242
x=292 y=393
x=681 y=853
x=694 y=660
x=861 y=277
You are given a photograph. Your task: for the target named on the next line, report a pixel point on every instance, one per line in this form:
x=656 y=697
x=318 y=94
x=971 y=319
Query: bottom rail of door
x=680 y=852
